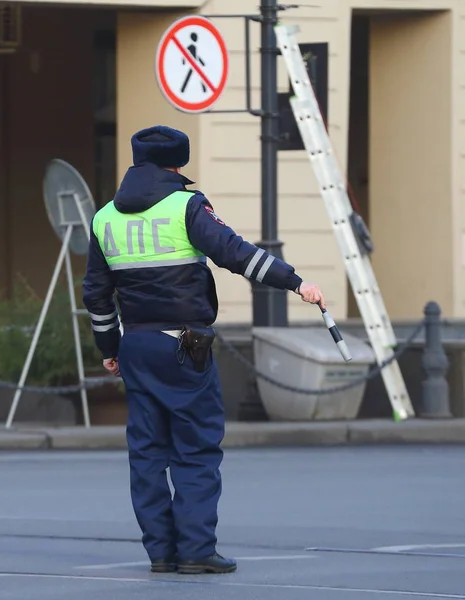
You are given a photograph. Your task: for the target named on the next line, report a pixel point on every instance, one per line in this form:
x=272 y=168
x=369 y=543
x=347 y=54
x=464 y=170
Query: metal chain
x=61 y=390
x=319 y=392
x=96 y=382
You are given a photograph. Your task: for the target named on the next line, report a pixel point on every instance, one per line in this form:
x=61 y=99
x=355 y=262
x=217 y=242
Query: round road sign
x=192 y=64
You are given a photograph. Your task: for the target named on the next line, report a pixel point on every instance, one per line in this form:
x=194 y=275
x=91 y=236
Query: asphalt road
x=320 y=524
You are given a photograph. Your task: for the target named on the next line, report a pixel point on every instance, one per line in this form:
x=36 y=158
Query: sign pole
x=269 y=304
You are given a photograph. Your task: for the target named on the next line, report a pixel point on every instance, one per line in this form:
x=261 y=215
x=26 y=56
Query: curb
x=414 y=431
x=243 y=435
x=19 y=440
x=251 y=435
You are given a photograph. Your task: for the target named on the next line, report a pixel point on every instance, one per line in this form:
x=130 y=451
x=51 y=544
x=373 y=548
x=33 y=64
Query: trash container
x=308 y=358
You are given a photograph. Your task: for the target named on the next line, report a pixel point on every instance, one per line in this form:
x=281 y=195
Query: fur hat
x=162 y=146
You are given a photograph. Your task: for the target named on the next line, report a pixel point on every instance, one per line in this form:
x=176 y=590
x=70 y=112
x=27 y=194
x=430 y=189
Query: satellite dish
x=68 y=201
x=70 y=209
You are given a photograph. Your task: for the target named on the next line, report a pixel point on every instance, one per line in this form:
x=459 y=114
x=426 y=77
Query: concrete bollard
x=435 y=388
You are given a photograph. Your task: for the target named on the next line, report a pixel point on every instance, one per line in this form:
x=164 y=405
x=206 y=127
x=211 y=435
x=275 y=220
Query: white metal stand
x=64 y=256
x=333 y=190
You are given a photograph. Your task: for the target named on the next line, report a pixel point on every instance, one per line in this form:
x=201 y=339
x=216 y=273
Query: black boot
x=164 y=566
x=212 y=564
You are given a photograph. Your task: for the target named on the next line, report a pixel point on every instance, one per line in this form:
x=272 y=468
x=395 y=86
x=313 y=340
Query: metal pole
x=269 y=304
x=77 y=340
x=40 y=324
x=80 y=210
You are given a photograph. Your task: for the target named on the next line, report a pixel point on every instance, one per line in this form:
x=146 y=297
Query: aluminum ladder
x=351 y=235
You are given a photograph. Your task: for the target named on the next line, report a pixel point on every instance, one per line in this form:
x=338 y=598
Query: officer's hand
x=111 y=365
x=311 y=293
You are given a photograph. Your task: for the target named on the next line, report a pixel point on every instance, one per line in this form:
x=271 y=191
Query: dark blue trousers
x=176 y=420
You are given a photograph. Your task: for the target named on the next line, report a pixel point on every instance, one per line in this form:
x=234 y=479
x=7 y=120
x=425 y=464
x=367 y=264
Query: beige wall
x=458 y=164
x=412 y=92
x=230 y=168
x=410 y=161
x=226 y=150
x=140 y=103
x=409 y=172
x=417 y=90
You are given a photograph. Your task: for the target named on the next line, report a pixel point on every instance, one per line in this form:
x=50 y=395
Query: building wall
x=230 y=168
x=415 y=208
x=417 y=70
x=140 y=103
x=429 y=261
x=414 y=194
x=410 y=160
x=226 y=149
x=458 y=163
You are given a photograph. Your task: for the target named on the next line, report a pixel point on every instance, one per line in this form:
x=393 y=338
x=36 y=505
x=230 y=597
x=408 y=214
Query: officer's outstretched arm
x=98 y=292
x=209 y=234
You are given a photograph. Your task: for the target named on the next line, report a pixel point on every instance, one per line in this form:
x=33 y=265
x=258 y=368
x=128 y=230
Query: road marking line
x=76 y=577
x=214 y=583
x=240 y=558
x=286 y=557
x=393 y=552
x=416 y=547
x=64 y=519
x=115 y=565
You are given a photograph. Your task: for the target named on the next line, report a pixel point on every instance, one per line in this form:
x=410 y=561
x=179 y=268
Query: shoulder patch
x=214 y=216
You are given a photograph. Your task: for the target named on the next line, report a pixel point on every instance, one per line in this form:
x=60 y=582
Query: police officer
x=150 y=246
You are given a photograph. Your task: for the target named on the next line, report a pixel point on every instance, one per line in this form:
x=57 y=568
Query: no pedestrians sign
x=192 y=64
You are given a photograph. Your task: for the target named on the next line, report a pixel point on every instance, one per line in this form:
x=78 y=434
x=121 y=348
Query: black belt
x=152 y=326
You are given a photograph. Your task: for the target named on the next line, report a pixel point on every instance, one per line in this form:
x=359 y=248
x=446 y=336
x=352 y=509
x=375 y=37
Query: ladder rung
x=81 y=311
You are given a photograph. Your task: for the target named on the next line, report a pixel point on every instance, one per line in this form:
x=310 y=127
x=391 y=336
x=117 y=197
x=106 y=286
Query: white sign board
x=192 y=64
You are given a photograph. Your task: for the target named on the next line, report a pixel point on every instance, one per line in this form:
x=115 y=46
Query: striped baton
x=336 y=335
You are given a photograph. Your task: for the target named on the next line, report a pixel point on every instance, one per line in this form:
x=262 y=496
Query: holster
x=197 y=343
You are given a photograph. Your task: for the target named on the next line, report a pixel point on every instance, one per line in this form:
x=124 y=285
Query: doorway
x=104 y=94
x=5 y=270
x=400 y=153
x=358 y=162
x=57 y=100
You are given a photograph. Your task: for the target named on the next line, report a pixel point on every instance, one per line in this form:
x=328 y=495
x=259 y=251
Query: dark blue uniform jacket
x=170 y=297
